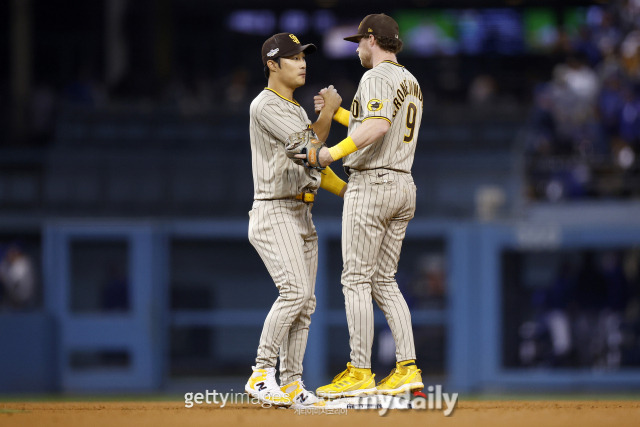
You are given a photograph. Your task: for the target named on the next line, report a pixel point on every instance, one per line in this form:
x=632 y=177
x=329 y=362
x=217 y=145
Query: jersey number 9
x=411 y=122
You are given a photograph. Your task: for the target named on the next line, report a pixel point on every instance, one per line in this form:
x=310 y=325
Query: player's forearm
x=369 y=132
x=322 y=126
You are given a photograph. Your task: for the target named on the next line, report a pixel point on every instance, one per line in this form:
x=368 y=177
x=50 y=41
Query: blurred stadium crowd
x=585 y=125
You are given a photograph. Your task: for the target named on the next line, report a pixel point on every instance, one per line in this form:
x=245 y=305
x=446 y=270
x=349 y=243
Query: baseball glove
x=307 y=143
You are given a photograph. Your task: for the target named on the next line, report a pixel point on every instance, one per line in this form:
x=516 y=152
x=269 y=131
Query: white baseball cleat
x=299 y=395
x=263 y=386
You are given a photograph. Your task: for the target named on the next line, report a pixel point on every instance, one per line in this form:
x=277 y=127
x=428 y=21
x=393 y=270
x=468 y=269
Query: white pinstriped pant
x=283 y=233
x=378 y=205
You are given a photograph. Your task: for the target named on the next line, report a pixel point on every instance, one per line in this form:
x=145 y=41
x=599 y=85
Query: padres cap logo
x=294 y=38
x=374 y=105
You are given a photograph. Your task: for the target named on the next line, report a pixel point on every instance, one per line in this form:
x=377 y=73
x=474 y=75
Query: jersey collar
x=286 y=99
x=393 y=63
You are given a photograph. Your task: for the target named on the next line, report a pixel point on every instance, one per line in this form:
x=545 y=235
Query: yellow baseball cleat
x=404 y=378
x=349 y=383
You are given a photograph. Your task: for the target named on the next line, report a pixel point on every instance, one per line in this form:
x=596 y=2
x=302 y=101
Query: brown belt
x=304 y=197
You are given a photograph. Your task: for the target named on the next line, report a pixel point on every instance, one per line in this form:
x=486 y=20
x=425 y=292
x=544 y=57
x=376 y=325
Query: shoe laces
x=397 y=371
x=340 y=375
x=393 y=372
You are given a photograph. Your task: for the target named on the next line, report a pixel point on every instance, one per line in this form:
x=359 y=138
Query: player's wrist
x=343 y=148
x=341 y=116
x=324 y=157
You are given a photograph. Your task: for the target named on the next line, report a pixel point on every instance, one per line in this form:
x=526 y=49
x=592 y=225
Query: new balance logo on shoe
x=302 y=397
x=263 y=386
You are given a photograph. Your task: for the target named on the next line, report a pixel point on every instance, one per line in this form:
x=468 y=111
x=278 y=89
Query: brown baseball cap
x=283 y=45
x=377 y=24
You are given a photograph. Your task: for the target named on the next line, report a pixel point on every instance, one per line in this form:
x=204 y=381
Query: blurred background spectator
x=18 y=278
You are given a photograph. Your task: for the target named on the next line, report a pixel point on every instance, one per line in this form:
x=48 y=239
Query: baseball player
x=380 y=200
x=280 y=225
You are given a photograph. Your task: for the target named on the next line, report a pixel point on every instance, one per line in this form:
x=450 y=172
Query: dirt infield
x=476 y=414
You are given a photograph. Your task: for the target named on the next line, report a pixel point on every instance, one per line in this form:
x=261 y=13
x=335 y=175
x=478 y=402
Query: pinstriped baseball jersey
x=388 y=91
x=282 y=232
x=272 y=119
x=379 y=203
